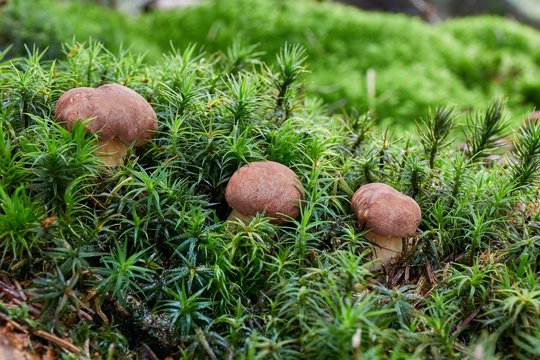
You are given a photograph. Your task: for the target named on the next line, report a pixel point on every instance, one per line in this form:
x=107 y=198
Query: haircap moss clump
x=141 y=261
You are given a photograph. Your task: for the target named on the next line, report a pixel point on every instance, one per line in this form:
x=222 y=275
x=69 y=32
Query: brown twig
x=466 y=321
x=204 y=343
x=9 y=291
x=64 y=344
x=149 y=352
x=430 y=274
x=13 y=323
x=31 y=309
x=97 y=202
x=97 y=305
x=424 y=297
x=20 y=290
x=427 y=11
x=397 y=277
x=83 y=314
x=407 y=273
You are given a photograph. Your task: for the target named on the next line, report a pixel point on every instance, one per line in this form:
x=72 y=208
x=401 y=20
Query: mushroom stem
x=236 y=216
x=112 y=152
x=385 y=248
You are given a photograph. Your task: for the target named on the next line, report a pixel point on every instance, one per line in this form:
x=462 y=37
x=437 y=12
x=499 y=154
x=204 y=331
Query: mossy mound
x=139 y=260
x=463 y=62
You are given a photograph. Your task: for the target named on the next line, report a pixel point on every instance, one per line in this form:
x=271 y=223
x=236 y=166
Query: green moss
x=503 y=56
x=466 y=62
x=144 y=251
x=343 y=43
x=49 y=24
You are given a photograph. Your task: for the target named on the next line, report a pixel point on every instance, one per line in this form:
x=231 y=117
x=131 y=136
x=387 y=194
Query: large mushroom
x=388 y=216
x=264 y=187
x=119 y=116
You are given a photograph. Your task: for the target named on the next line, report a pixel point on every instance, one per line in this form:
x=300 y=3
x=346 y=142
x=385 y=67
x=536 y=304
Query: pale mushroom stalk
x=237 y=216
x=112 y=152
x=385 y=248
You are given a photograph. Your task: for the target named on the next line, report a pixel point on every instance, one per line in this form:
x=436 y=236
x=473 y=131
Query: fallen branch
x=462 y=324
x=204 y=343
x=64 y=344
x=427 y=11
x=13 y=323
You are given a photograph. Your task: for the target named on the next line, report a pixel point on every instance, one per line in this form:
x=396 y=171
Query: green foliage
x=396 y=67
x=433 y=132
x=120 y=272
x=48 y=24
x=19 y=225
x=527 y=148
x=58 y=160
x=485 y=132
x=345 y=44
x=146 y=253
x=186 y=311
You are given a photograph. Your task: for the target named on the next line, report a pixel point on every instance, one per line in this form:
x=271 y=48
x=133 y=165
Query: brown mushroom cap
x=386 y=211
x=265 y=186
x=116 y=112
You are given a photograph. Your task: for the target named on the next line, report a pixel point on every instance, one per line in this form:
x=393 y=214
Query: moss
x=417 y=65
x=465 y=61
x=142 y=260
x=48 y=24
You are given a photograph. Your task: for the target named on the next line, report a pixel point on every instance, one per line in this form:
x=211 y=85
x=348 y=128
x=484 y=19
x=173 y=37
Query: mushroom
x=389 y=216
x=264 y=187
x=119 y=116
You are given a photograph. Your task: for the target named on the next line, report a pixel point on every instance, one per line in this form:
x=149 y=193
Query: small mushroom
x=119 y=115
x=389 y=216
x=264 y=187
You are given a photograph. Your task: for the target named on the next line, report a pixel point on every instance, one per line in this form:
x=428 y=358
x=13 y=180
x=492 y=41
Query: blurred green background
x=413 y=64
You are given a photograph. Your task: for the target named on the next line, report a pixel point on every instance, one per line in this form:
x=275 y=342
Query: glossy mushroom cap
x=119 y=115
x=386 y=211
x=265 y=186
